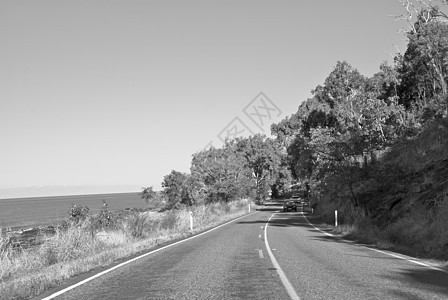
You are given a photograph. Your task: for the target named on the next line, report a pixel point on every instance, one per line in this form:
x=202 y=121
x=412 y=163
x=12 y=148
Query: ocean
x=36 y=211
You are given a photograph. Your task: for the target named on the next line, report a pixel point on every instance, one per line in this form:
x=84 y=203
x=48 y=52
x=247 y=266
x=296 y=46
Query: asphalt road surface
x=232 y=262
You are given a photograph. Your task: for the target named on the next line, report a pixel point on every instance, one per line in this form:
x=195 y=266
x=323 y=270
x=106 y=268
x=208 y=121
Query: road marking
x=259 y=236
x=396 y=255
x=138 y=257
x=291 y=292
x=260 y=252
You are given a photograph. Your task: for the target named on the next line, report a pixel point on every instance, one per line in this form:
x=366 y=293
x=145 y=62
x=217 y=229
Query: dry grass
x=408 y=199
x=78 y=249
x=420 y=234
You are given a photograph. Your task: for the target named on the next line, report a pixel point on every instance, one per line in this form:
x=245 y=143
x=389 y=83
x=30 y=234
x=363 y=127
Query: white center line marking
x=260 y=252
x=291 y=292
x=259 y=236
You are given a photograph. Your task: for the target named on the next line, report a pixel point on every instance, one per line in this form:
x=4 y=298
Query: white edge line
x=136 y=258
x=408 y=259
x=291 y=292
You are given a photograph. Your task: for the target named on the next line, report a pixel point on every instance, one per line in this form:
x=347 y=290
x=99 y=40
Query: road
x=232 y=262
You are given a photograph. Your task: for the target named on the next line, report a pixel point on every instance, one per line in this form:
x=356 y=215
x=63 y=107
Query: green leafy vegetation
x=373 y=148
x=243 y=168
x=376 y=149
x=99 y=240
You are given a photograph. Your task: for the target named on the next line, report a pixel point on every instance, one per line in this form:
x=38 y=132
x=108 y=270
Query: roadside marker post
x=249 y=207
x=191 y=221
x=336 y=218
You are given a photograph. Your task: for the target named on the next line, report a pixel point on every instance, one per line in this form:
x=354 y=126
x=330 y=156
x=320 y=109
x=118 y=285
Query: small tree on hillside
x=148 y=194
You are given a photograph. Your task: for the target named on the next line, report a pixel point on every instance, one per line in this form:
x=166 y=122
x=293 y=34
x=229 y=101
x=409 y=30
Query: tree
x=175 y=189
x=337 y=133
x=264 y=159
x=285 y=129
x=384 y=84
x=148 y=194
x=424 y=65
x=222 y=172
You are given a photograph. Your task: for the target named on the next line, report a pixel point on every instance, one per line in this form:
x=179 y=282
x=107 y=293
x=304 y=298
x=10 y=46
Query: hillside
x=376 y=148
x=406 y=206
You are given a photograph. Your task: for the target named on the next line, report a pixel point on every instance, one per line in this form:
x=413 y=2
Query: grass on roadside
x=82 y=247
x=420 y=234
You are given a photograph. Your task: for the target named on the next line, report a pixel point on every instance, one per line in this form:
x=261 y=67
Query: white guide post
x=336 y=218
x=191 y=221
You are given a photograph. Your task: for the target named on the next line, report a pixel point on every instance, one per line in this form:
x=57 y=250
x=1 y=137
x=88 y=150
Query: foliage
x=78 y=213
x=265 y=161
x=74 y=250
x=221 y=174
x=176 y=189
x=148 y=194
x=423 y=68
x=338 y=141
x=253 y=167
x=105 y=217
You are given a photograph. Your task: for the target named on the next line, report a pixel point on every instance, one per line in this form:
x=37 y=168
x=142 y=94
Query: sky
x=110 y=96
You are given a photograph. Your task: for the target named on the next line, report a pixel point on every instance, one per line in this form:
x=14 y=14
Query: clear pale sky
x=110 y=96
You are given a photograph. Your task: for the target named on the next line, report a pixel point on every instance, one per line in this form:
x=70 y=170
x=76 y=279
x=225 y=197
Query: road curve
x=232 y=262
x=323 y=267
x=227 y=263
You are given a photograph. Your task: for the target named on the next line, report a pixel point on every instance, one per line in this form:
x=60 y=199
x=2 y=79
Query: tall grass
x=406 y=195
x=420 y=233
x=84 y=246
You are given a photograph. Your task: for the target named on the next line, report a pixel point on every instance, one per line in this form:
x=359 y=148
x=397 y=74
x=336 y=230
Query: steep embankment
x=408 y=204
x=421 y=165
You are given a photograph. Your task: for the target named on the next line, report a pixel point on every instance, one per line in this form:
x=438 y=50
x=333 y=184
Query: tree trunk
x=355 y=201
x=439 y=72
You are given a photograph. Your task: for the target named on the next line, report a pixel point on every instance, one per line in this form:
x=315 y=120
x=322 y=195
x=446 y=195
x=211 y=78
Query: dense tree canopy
x=250 y=167
x=331 y=145
x=335 y=138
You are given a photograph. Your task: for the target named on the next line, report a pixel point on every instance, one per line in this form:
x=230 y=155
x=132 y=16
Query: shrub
x=68 y=244
x=78 y=248
x=105 y=216
x=169 y=220
x=78 y=213
x=136 y=225
x=5 y=245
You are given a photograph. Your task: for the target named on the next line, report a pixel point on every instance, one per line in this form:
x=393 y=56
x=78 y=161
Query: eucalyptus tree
x=176 y=189
x=222 y=172
x=424 y=65
x=266 y=160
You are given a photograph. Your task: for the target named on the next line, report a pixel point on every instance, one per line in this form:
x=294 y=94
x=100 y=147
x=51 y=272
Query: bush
x=78 y=247
x=105 y=216
x=69 y=244
x=78 y=213
x=5 y=245
x=169 y=220
x=136 y=225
